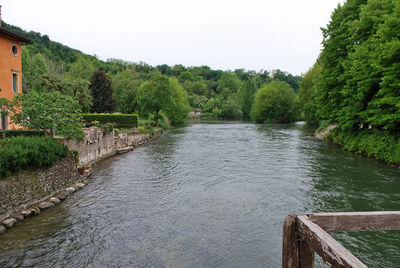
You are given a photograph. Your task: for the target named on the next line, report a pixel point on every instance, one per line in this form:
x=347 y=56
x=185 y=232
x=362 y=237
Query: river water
x=208 y=195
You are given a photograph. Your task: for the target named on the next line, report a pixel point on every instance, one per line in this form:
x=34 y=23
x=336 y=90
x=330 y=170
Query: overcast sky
x=223 y=34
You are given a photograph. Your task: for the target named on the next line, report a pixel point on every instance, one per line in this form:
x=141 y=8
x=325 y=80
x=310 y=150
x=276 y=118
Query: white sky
x=223 y=34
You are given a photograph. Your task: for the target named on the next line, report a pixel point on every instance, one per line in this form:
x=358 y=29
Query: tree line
x=126 y=87
x=355 y=82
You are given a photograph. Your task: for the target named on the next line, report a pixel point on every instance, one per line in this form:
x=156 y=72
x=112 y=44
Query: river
x=208 y=195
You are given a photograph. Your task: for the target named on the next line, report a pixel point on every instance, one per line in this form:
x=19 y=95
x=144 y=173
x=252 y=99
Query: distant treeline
x=49 y=66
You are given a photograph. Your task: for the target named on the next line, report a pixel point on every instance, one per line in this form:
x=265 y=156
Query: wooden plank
x=325 y=245
x=290 y=246
x=357 y=221
x=306 y=255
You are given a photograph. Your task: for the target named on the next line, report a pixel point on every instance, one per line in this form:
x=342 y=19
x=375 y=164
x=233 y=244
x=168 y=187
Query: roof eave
x=23 y=40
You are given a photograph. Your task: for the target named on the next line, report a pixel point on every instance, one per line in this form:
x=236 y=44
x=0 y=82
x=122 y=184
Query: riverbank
x=372 y=143
x=26 y=193
x=209 y=194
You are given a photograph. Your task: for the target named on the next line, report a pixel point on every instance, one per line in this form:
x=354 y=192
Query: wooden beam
x=325 y=245
x=290 y=245
x=357 y=221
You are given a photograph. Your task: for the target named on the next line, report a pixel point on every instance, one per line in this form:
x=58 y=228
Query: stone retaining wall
x=96 y=145
x=25 y=188
x=27 y=192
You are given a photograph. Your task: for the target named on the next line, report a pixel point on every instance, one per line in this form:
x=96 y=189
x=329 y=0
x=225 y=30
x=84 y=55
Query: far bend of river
x=208 y=195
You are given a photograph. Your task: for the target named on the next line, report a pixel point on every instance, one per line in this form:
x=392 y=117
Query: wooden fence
x=304 y=235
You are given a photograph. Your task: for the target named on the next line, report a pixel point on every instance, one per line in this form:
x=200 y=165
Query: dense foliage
x=49 y=66
x=17 y=153
x=102 y=92
x=163 y=94
x=356 y=80
x=275 y=102
x=120 y=120
x=52 y=112
x=374 y=143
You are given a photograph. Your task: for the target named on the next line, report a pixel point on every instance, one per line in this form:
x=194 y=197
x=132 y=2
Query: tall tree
x=246 y=95
x=338 y=43
x=102 y=92
x=126 y=84
x=307 y=94
x=230 y=81
x=163 y=94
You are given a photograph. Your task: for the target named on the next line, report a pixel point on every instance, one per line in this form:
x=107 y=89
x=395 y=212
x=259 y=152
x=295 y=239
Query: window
x=3 y=122
x=14 y=82
x=14 y=50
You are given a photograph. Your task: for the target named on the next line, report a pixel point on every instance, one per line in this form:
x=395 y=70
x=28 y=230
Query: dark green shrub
x=17 y=153
x=121 y=120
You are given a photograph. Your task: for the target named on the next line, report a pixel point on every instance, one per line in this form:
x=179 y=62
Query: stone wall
x=25 y=188
x=31 y=187
x=95 y=146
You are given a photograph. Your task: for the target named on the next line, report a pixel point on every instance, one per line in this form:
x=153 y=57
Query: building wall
x=9 y=64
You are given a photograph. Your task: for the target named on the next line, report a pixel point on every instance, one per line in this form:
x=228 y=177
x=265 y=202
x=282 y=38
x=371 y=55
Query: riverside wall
x=27 y=192
x=26 y=188
x=97 y=145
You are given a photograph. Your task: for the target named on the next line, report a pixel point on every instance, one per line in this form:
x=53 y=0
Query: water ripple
x=208 y=195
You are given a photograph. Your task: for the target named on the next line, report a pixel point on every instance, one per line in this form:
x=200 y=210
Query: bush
x=275 y=102
x=15 y=133
x=121 y=120
x=17 y=153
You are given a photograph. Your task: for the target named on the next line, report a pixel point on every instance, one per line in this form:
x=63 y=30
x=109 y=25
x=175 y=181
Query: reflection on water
x=208 y=195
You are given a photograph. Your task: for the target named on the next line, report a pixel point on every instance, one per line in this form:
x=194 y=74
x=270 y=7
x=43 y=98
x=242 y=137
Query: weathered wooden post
x=306 y=255
x=290 y=245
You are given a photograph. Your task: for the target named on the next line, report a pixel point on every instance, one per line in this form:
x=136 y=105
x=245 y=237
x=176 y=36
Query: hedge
x=15 y=133
x=22 y=152
x=121 y=120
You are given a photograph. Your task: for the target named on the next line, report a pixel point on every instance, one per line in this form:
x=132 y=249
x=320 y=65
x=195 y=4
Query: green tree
x=126 y=85
x=34 y=70
x=102 y=92
x=52 y=112
x=231 y=109
x=197 y=87
x=163 y=94
x=307 y=94
x=229 y=81
x=275 y=102
x=359 y=81
x=293 y=81
x=338 y=43
x=81 y=69
x=246 y=95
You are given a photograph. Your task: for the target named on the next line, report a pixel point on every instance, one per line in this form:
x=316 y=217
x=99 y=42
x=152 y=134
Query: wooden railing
x=304 y=235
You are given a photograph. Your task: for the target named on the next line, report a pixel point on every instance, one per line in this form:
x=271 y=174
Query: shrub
x=275 y=102
x=22 y=152
x=121 y=120
x=378 y=144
